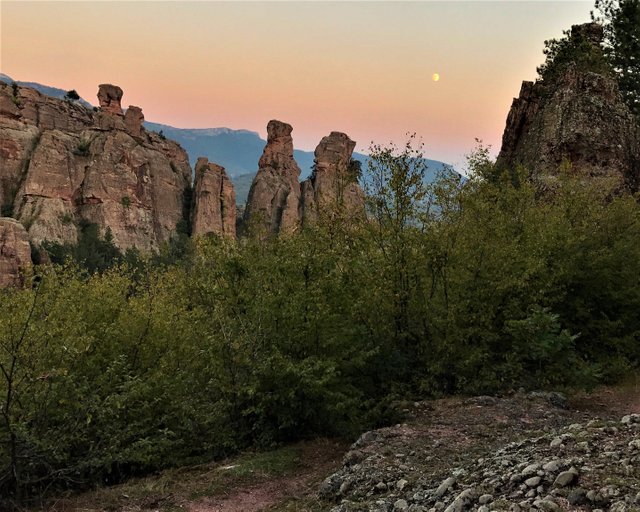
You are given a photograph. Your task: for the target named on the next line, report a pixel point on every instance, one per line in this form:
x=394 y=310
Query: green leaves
x=474 y=286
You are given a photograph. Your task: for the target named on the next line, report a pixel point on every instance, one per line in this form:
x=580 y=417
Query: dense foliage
x=471 y=287
x=575 y=49
x=621 y=21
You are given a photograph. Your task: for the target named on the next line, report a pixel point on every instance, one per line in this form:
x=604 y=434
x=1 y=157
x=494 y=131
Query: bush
x=72 y=95
x=83 y=148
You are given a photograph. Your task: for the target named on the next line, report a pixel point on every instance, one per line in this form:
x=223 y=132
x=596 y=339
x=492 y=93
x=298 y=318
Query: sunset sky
x=364 y=68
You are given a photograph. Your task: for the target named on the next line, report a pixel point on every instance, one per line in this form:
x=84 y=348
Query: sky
x=364 y=68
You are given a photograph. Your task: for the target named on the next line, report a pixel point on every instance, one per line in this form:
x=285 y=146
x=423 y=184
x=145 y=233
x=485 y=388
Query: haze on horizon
x=364 y=68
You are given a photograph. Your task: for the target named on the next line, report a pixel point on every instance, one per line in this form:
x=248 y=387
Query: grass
x=171 y=489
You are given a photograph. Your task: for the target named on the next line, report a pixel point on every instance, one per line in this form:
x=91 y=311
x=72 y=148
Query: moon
x=435 y=77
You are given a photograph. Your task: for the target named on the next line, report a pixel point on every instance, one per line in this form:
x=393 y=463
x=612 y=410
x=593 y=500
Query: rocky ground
x=523 y=451
x=535 y=451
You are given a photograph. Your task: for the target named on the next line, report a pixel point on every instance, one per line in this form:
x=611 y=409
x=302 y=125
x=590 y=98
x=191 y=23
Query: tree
x=72 y=95
x=397 y=196
x=580 y=46
x=621 y=22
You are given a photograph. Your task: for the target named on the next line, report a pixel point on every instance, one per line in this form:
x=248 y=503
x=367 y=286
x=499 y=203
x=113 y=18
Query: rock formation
x=63 y=164
x=214 y=201
x=577 y=119
x=273 y=205
x=333 y=182
x=15 y=252
x=133 y=120
x=109 y=97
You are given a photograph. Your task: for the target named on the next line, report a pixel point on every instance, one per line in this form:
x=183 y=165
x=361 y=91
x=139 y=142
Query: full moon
x=435 y=77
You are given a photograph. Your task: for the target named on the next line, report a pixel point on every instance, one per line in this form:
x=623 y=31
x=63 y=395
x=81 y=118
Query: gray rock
x=555 y=442
x=444 y=487
x=577 y=496
x=462 y=501
x=552 y=466
x=533 y=481
x=546 y=505
x=401 y=484
x=618 y=506
x=565 y=478
x=531 y=469
x=485 y=498
x=400 y=505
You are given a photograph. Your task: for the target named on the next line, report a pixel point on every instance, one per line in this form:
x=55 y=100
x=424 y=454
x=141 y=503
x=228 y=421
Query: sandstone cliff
x=578 y=118
x=15 y=252
x=333 y=183
x=273 y=205
x=63 y=163
x=214 y=201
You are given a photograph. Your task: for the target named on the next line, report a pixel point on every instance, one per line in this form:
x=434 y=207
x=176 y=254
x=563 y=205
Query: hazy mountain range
x=238 y=151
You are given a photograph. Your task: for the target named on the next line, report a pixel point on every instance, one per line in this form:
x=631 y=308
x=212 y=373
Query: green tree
x=621 y=21
x=72 y=95
x=580 y=46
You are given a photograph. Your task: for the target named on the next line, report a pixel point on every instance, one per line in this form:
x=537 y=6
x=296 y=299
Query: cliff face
x=214 y=201
x=63 y=163
x=333 y=183
x=273 y=205
x=15 y=252
x=578 y=118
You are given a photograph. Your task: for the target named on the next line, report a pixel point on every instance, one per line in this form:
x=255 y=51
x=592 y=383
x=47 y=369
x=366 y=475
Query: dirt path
x=318 y=459
x=258 y=498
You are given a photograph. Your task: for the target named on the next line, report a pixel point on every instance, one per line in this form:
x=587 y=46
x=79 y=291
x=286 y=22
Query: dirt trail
x=260 y=497
x=318 y=460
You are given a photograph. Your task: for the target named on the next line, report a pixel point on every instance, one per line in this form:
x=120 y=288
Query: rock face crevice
x=273 y=205
x=214 y=201
x=577 y=119
x=89 y=166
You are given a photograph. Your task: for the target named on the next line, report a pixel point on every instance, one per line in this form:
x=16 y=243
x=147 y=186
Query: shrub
x=83 y=148
x=72 y=95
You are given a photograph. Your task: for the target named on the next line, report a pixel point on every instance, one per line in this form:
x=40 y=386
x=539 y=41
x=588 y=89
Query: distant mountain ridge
x=238 y=151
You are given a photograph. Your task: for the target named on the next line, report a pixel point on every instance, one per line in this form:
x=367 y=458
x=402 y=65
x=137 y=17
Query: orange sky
x=364 y=68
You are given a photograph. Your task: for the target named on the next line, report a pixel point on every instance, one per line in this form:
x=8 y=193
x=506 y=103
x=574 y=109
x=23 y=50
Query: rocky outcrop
x=273 y=205
x=334 y=182
x=577 y=119
x=64 y=164
x=214 y=201
x=133 y=120
x=109 y=97
x=15 y=252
